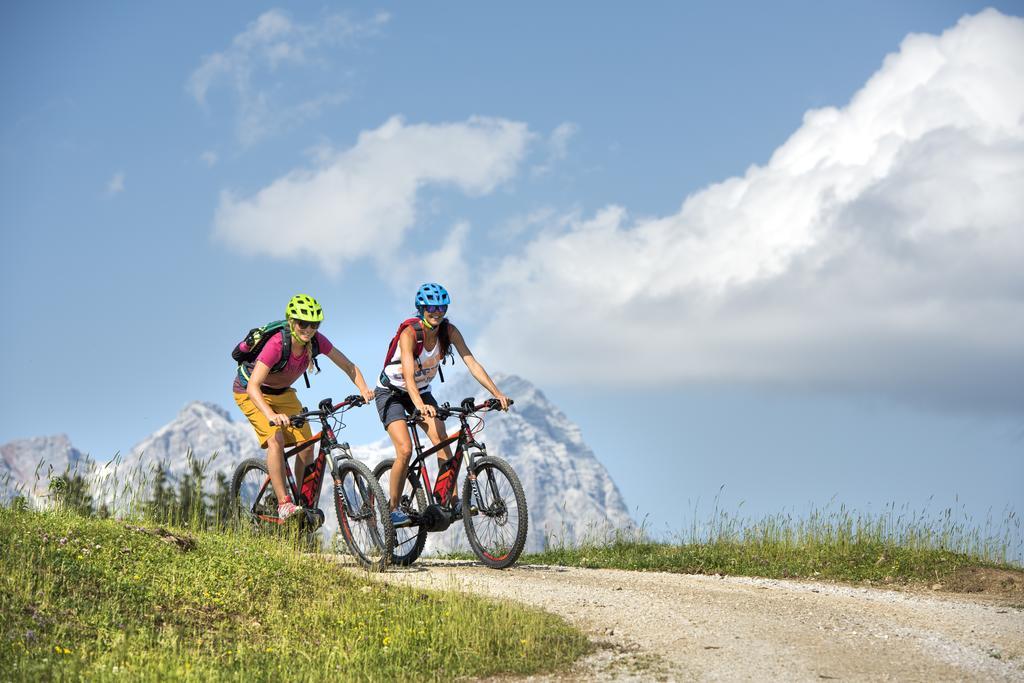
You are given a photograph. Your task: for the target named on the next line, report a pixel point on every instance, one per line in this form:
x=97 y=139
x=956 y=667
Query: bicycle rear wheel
x=253 y=499
x=409 y=541
x=496 y=519
x=364 y=520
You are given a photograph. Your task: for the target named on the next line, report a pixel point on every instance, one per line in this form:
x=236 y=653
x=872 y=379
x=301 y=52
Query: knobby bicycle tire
x=364 y=520
x=251 y=495
x=496 y=524
x=409 y=541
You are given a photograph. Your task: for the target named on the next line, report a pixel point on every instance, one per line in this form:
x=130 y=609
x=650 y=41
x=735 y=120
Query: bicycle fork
x=357 y=501
x=477 y=500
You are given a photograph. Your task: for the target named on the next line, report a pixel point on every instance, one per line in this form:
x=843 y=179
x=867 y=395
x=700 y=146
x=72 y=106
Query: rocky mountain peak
x=26 y=464
x=205 y=410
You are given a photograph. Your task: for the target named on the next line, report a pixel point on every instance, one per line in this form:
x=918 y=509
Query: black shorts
x=395 y=405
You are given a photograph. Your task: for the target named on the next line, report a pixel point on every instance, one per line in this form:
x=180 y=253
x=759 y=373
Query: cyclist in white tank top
x=404 y=385
x=426 y=366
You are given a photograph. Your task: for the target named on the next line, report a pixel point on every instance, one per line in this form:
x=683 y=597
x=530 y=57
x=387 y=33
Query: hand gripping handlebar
x=326 y=407
x=467 y=407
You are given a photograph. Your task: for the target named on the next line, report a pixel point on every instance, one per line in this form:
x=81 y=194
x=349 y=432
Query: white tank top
x=429 y=361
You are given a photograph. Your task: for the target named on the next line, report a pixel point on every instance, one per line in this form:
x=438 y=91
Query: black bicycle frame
x=448 y=471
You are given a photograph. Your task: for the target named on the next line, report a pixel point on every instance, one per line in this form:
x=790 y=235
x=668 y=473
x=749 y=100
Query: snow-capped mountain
x=569 y=493
x=206 y=431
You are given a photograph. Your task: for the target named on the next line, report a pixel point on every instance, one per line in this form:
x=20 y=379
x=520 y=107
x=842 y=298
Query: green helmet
x=304 y=307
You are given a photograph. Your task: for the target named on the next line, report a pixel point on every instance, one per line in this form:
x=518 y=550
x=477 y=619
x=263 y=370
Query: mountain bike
x=363 y=516
x=494 y=510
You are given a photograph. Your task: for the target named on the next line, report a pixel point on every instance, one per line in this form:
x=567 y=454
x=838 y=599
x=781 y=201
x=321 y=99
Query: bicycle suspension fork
x=473 y=448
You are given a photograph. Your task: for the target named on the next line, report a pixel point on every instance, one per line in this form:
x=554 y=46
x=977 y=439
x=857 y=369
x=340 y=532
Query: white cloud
x=209 y=157
x=880 y=249
x=446 y=264
x=558 y=147
x=116 y=184
x=545 y=217
x=361 y=201
x=251 y=67
x=560 y=139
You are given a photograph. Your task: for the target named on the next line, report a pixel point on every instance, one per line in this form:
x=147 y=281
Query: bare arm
x=474 y=366
x=350 y=369
x=256 y=379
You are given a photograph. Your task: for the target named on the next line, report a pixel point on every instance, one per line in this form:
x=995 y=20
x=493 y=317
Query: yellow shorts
x=287 y=403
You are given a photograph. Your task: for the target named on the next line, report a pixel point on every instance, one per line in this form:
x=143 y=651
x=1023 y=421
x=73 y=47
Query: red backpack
x=417 y=349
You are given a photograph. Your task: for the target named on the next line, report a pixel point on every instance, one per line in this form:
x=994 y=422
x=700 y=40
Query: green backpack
x=248 y=350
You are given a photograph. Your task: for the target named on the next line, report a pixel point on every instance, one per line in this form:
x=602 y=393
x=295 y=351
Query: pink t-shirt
x=271 y=354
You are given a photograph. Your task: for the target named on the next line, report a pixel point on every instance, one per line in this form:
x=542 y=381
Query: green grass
x=91 y=599
x=896 y=546
x=858 y=561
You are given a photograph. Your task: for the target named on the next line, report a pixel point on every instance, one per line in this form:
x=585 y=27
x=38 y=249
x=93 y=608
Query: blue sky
x=775 y=248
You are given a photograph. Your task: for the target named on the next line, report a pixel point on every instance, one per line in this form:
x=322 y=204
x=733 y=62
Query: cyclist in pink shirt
x=268 y=400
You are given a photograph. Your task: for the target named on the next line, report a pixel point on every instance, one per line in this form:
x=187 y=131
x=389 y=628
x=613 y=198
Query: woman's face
x=434 y=314
x=304 y=330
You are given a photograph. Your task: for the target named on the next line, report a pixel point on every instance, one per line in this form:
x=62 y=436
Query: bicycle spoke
x=362 y=516
x=497 y=527
x=254 y=495
x=408 y=540
x=495 y=530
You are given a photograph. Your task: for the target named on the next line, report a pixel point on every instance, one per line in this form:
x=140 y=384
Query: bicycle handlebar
x=467 y=407
x=326 y=408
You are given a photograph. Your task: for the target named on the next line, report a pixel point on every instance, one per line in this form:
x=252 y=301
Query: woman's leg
x=276 y=465
x=399 y=434
x=437 y=433
x=302 y=460
x=445 y=484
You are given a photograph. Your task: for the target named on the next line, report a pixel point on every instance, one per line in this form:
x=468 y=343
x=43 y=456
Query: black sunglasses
x=305 y=324
x=436 y=309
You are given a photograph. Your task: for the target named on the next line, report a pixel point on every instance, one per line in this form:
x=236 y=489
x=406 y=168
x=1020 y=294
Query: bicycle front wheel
x=364 y=520
x=254 y=502
x=409 y=540
x=495 y=516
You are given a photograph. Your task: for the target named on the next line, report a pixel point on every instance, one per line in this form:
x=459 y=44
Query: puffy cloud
x=361 y=201
x=881 y=248
x=269 y=44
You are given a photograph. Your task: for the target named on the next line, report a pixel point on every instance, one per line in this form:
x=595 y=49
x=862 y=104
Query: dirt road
x=682 y=627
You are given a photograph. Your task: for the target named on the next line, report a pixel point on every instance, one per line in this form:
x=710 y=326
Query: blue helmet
x=432 y=294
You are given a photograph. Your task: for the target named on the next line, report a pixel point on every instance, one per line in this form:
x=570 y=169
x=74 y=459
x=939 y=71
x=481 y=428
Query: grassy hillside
x=91 y=599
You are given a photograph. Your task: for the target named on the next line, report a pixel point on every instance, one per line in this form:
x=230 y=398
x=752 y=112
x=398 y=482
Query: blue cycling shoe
x=399 y=518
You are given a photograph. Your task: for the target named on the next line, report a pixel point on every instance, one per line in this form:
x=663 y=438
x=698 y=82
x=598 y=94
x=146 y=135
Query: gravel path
x=685 y=627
